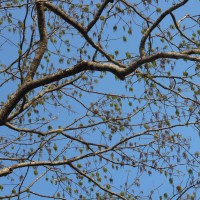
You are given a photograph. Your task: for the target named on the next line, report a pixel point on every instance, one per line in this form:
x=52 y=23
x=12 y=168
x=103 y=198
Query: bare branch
x=155 y=24
x=43 y=41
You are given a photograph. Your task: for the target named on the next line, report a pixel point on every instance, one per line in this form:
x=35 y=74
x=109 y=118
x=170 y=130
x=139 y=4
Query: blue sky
x=111 y=86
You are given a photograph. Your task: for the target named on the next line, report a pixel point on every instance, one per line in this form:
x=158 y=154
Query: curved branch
x=173 y=55
x=10 y=169
x=151 y=28
x=81 y=30
x=43 y=41
x=101 y=9
x=181 y=33
x=51 y=88
x=94 y=66
x=19 y=94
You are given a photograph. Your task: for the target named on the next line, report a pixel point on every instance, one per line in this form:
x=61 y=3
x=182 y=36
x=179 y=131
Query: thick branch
x=28 y=86
x=173 y=55
x=83 y=66
x=5 y=171
x=81 y=30
x=43 y=41
x=155 y=24
x=40 y=95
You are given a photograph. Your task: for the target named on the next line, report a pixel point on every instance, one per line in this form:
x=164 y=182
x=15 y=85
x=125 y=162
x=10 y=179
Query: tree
x=99 y=99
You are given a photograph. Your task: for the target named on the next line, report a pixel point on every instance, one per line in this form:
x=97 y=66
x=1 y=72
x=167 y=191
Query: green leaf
x=124 y=39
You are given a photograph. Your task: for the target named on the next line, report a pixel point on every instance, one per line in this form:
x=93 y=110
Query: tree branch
x=95 y=182
x=81 y=30
x=94 y=66
x=155 y=24
x=181 y=33
x=43 y=41
x=101 y=9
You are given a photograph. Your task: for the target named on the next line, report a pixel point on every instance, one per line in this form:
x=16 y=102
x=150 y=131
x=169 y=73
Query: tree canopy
x=99 y=99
